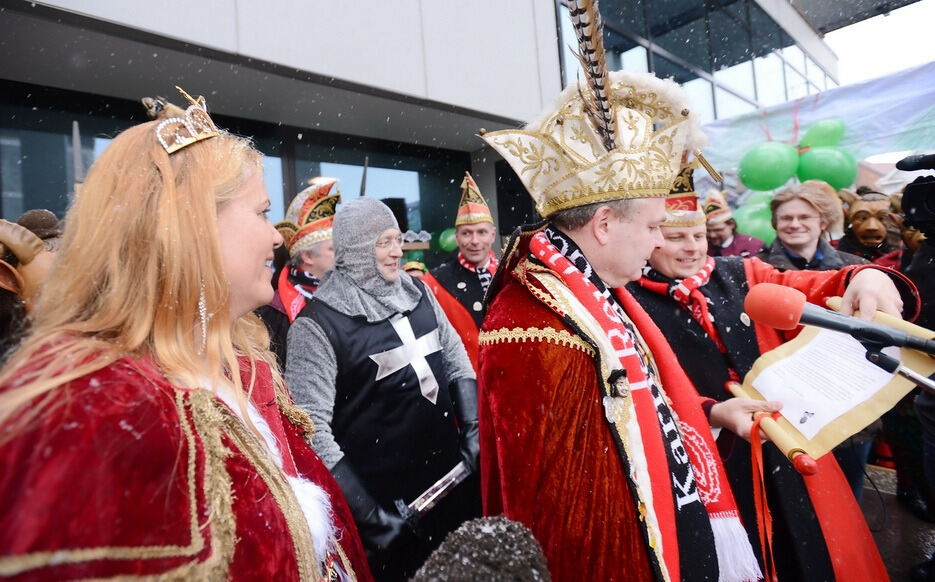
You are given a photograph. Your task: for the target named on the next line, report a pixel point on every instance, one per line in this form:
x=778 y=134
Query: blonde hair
x=812 y=194
x=140 y=245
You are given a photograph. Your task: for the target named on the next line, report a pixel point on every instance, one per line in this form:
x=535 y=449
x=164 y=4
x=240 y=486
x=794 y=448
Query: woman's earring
x=203 y=317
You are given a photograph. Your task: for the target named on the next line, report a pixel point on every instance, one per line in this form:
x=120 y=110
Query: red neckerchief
x=491 y=266
x=687 y=293
x=291 y=295
x=695 y=432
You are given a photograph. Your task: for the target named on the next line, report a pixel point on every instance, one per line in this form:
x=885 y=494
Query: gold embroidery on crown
x=563 y=162
x=176 y=133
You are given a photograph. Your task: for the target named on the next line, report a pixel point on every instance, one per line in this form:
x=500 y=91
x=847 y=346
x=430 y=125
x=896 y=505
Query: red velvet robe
x=128 y=475
x=548 y=458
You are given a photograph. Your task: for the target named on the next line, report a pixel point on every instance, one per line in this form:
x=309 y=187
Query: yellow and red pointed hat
x=310 y=216
x=716 y=207
x=682 y=207
x=473 y=208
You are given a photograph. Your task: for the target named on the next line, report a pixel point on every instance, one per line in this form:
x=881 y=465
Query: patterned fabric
x=485 y=273
x=304 y=282
x=294 y=287
x=690 y=477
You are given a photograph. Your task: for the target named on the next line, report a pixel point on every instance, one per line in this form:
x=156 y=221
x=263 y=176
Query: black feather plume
x=590 y=32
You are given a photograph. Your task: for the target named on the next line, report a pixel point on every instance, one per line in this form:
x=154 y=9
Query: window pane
x=815 y=74
x=766 y=35
x=729 y=105
x=738 y=77
x=272 y=178
x=698 y=89
x=420 y=184
x=627 y=14
x=794 y=57
x=702 y=99
x=730 y=48
x=770 y=86
x=795 y=84
x=623 y=54
x=679 y=27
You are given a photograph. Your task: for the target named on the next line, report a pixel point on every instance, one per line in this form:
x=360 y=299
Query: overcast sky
x=885 y=44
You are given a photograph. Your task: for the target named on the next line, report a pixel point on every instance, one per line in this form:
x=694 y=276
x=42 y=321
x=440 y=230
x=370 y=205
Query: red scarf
x=491 y=266
x=291 y=295
x=736 y=560
x=687 y=293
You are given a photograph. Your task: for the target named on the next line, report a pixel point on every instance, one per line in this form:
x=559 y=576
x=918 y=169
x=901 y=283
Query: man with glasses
x=801 y=215
x=383 y=375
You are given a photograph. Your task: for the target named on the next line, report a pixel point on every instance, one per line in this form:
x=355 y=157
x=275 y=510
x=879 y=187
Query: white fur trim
x=735 y=558
x=314 y=501
x=668 y=91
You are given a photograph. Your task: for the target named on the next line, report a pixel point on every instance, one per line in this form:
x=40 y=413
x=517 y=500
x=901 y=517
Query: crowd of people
x=170 y=408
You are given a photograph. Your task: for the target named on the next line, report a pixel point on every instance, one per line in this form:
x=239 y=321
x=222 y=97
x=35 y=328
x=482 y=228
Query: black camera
x=919 y=195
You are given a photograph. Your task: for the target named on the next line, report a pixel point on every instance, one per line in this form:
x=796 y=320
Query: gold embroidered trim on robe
x=536 y=334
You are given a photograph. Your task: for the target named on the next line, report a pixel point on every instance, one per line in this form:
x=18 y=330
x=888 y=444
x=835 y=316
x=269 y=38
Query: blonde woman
x=144 y=428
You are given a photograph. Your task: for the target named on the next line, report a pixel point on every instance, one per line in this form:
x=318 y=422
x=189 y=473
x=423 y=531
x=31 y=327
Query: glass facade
x=728 y=54
x=38 y=164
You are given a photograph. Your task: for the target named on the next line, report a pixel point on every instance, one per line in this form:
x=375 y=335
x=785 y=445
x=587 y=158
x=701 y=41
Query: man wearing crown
x=307 y=232
x=697 y=302
x=591 y=435
x=723 y=238
x=460 y=284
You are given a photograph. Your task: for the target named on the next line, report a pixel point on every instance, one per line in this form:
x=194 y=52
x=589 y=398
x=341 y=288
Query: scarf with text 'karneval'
x=677 y=486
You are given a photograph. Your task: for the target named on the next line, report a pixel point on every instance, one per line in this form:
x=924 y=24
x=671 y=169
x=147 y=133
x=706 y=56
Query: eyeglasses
x=786 y=219
x=385 y=243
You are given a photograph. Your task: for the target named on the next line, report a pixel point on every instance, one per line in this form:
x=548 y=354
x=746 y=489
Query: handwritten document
x=822 y=380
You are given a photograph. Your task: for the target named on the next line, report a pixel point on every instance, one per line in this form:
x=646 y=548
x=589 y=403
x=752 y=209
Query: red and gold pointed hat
x=473 y=208
x=716 y=207
x=310 y=215
x=682 y=207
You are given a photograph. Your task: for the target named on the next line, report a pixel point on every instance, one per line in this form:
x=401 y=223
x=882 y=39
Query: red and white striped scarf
x=485 y=273
x=671 y=492
x=687 y=293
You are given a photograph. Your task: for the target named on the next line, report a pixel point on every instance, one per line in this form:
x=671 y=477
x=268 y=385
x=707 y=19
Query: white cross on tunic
x=411 y=353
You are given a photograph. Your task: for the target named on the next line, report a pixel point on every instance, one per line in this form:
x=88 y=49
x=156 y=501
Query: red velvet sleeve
x=818 y=286
x=548 y=458
x=100 y=479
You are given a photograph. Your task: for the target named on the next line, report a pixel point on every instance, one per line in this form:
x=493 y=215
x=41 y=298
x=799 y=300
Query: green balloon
x=768 y=165
x=757 y=197
x=827 y=132
x=829 y=164
x=755 y=220
x=413 y=256
x=446 y=240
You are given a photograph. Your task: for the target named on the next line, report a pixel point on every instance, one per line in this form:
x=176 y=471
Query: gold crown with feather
x=563 y=162
x=175 y=133
x=619 y=135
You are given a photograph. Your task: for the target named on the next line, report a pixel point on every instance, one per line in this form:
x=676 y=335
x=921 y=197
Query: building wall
x=490 y=56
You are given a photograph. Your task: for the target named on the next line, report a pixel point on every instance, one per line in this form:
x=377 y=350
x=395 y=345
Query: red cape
x=127 y=475
x=459 y=317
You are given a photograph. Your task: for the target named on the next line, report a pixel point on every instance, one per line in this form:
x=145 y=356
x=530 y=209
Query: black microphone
x=784 y=308
x=916 y=162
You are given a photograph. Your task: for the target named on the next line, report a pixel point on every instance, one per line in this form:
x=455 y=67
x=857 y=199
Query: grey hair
x=315 y=249
x=575 y=218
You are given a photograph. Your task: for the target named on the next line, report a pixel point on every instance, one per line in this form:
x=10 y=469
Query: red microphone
x=784 y=308
x=774 y=305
